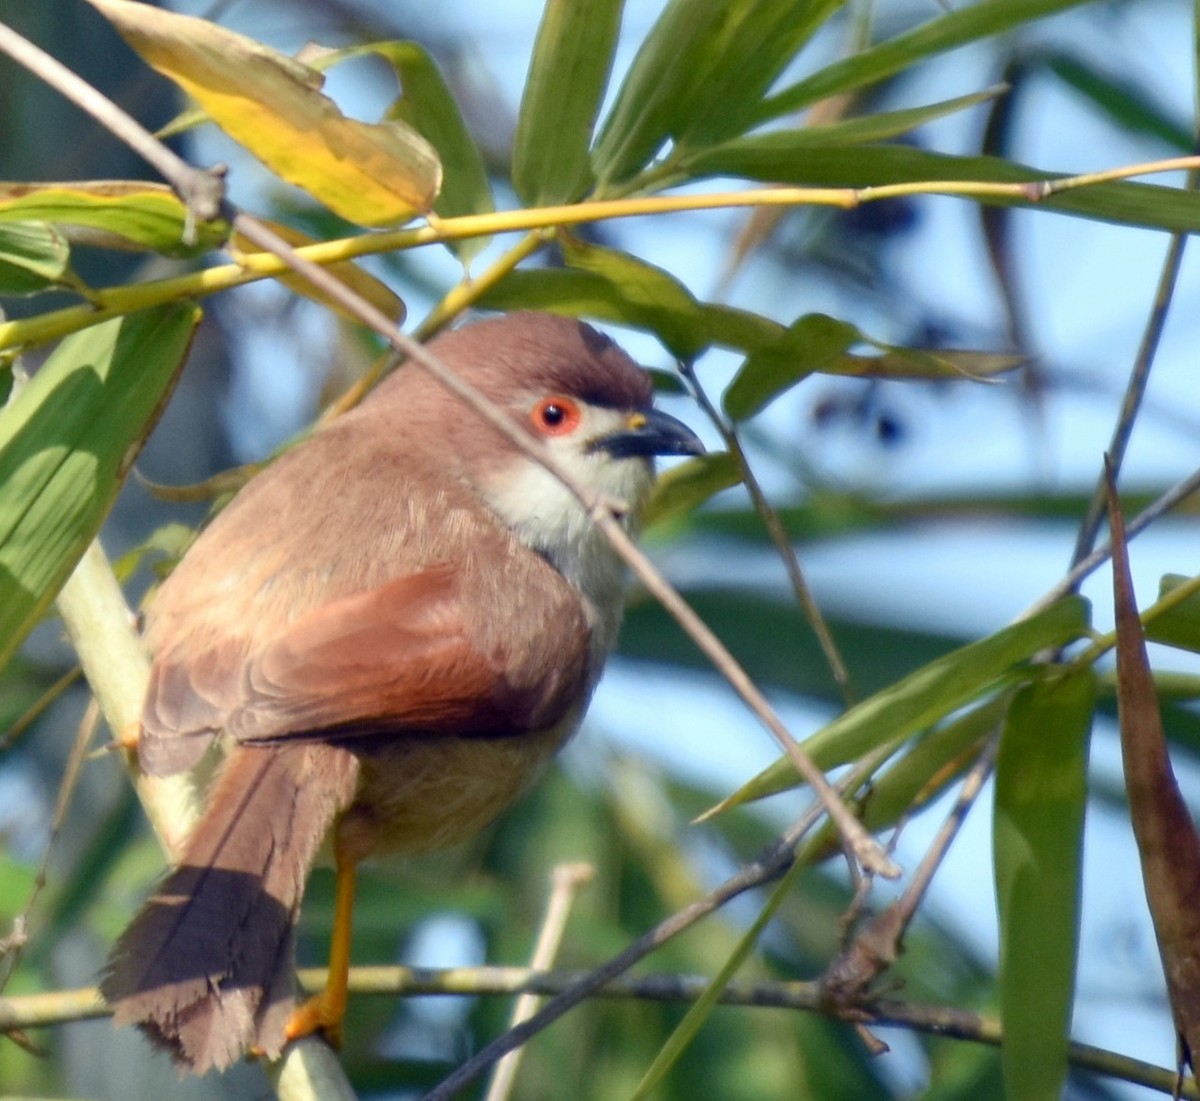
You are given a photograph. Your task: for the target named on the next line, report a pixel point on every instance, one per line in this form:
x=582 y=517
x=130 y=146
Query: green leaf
x=121 y=214
x=780 y=158
x=1178 y=626
x=752 y=44
x=1041 y=794
x=699 y=74
x=687 y=485
x=684 y=325
x=572 y=59
x=945 y=32
x=34 y=256
x=888 y=124
x=66 y=443
x=924 y=697
x=429 y=107
x=935 y=760
x=806 y=346
x=921 y=363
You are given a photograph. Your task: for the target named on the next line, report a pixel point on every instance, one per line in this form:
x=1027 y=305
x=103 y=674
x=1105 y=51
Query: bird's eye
x=556 y=416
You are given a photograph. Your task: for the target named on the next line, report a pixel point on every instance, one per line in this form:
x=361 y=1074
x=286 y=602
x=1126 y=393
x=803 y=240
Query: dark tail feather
x=205 y=967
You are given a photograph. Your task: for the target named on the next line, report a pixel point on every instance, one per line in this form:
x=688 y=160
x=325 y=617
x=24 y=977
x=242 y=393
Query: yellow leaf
x=372 y=174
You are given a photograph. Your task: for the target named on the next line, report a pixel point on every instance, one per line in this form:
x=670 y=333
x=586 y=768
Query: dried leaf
x=1167 y=841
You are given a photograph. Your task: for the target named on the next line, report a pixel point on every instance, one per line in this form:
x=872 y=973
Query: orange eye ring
x=556 y=416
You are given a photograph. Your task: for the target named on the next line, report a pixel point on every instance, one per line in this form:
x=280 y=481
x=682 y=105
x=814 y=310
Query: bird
x=379 y=645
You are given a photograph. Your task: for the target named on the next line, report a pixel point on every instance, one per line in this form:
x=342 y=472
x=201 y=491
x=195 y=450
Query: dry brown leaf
x=1167 y=841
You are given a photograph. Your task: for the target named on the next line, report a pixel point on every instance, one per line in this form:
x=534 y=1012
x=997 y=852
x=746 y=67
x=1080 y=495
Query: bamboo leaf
x=888 y=124
x=944 y=32
x=122 y=214
x=924 y=697
x=614 y=286
x=572 y=59
x=67 y=440
x=1124 y=101
x=34 y=256
x=687 y=485
x=429 y=107
x=919 y=775
x=807 y=345
x=898 y=362
x=1178 y=626
x=699 y=74
x=1041 y=795
x=371 y=174
x=1167 y=841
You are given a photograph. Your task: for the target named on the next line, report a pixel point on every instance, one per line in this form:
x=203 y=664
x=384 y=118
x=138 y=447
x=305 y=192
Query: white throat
x=548 y=518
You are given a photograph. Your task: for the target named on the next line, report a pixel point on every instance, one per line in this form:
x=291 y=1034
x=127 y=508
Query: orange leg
x=324 y=1012
x=127 y=738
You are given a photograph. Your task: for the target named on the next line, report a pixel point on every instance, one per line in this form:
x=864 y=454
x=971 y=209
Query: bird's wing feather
x=414 y=656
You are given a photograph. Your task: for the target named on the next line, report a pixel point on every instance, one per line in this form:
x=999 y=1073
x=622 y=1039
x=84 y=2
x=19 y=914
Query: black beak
x=650 y=432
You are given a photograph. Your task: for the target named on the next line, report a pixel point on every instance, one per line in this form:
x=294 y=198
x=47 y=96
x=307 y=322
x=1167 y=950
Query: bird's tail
x=205 y=967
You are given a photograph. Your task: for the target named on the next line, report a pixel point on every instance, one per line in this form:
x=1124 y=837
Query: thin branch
x=1155 y=511
x=1135 y=389
x=201 y=192
x=879 y=943
x=566 y=881
x=774 y=861
x=777 y=532
x=67 y=1006
x=21 y=726
x=66 y=792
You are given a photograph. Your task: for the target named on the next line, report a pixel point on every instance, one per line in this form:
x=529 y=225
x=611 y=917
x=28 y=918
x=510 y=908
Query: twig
x=1159 y=508
x=18 y=729
x=201 y=192
x=775 y=860
x=1135 y=389
x=66 y=792
x=878 y=945
x=777 y=532
x=66 y=1006
x=566 y=881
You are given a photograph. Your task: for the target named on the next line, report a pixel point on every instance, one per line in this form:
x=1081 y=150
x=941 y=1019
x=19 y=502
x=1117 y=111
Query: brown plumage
x=395 y=626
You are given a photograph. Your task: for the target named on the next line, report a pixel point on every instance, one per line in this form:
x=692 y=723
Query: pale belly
x=418 y=795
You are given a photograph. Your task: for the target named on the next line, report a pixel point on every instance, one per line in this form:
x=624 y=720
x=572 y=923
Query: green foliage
x=1041 y=794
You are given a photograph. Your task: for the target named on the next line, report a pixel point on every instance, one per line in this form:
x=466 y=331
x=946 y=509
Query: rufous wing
x=425 y=654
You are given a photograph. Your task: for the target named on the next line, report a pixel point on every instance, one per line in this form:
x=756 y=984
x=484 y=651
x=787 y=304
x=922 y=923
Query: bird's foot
x=323 y=1013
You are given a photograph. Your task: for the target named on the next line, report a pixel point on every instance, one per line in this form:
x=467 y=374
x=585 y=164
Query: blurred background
x=924 y=514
